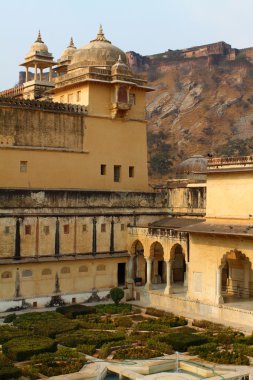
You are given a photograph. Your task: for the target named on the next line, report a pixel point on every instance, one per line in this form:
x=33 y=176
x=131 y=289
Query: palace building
x=77 y=215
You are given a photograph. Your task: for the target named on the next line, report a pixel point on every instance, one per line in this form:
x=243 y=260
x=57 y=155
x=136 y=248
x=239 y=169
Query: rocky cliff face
x=200 y=105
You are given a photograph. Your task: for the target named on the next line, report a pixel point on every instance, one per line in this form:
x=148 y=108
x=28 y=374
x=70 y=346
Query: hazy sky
x=145 y=26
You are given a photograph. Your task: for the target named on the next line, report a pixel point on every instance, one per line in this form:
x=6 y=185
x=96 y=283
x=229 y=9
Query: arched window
x=100 y=267
x=122 y=94
x=46 y=272
x=83 y=268
x=65 y=270
x=6 y=274
x=27 y=273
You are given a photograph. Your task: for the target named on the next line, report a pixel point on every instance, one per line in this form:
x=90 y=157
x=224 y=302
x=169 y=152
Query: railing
x=42 y=105
x=237 y=291
x=13 y=92
x=158 y=232
x=223 y=161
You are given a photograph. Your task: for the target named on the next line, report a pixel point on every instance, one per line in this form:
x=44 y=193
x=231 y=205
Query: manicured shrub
x=10 y=318
x=202 y=350
x=123 y=322
x=107 y=348
x=88 y=337
x=160 y=346
x=180 y=342
x=116 y=294
x=10 y=332
x=157 y=312
x=243 y=349
x=45 y=324
x=23 y=348
x=63 y=361
x=88 y=349
x=7 y=369
x=207 y=325
x=114 y=309
x=72 y=311
x=141 y=352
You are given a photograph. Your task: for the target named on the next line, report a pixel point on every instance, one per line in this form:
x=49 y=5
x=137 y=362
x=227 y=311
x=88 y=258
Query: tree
x=117 y=294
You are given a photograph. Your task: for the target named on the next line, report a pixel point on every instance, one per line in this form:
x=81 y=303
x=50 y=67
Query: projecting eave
x=220 y=229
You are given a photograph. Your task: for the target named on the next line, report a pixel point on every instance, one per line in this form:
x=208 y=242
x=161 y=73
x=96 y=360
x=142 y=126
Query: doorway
x=121 y=274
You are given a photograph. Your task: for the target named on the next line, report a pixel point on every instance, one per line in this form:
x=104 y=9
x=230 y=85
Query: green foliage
x=204 y=324
x=61 y=362
x=7 y=369
x=123 y=322
x=116 y=294
x=138 y=352
x=160 y=163
x=88 y=337
x=160 y=346
x=10 y=318
x=23 y=348
x=243 y=349
x=180 y=341
x=114 y=309
x=72 y=311
x=10 y=332
x=202 y=350
x=45 y=324
x=88 y=349
x=236 y=147
x=162 y=324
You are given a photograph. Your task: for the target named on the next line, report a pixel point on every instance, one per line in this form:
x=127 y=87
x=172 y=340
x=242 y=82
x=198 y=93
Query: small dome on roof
x=69 y=51
x=37 y=47
x=120 y=66
x=191 y=167
x=99 y=52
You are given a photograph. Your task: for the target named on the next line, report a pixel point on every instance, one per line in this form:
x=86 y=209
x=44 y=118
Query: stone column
x=35 y=71
x=186 y=274
x=41 y=73
x=148 y=285
x=50 y=74
x=26 y=73
x=219 y=298
x=245 y=293
x=168 y=289
x=130 y=268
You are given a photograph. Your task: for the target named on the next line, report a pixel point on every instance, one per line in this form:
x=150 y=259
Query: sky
x=144 y=26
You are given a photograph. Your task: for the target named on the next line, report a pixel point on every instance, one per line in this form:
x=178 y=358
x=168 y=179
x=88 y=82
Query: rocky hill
x=201 y=105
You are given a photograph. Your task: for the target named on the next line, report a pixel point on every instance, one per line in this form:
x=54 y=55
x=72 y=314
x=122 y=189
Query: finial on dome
x=120 y=59
x=100 y=35
x=39 y=39
x=71 y=43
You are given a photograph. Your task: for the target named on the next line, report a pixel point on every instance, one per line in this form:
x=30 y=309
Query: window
x=46 y=230
x=70 y=98
x=6 y=230
x=131 y=171
x=78 y=96
x=103 y=227
x=101 y=267
x=117 y=170
x=83 y=268
x=28 y=229
x=122 y=94
x=27 y=273
x=23 y=166
x=46 y=272
x=62 y=99
x=6 y=274
x=66 y=228
x=132 y=99
x=103 y=169
x=65 y=270
x=122 y=227
x=84 y=228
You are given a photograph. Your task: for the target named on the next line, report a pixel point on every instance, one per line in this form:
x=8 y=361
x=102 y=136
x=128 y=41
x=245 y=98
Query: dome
x=194 y=164
x=38 y=46
x=99 y=52
x=120 y=67
x=69 y=51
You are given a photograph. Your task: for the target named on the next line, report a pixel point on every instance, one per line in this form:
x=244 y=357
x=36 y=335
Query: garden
x=37 y=344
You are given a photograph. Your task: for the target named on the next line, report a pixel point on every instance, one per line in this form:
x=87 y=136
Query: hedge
x=23 y=348
x=9 y=332
x=72 y=311
x=114 y=309
x=62 y=362
x=45 y=324
x=141 y=352
x=88 y=337
x=7 y=369
x=180 y=341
